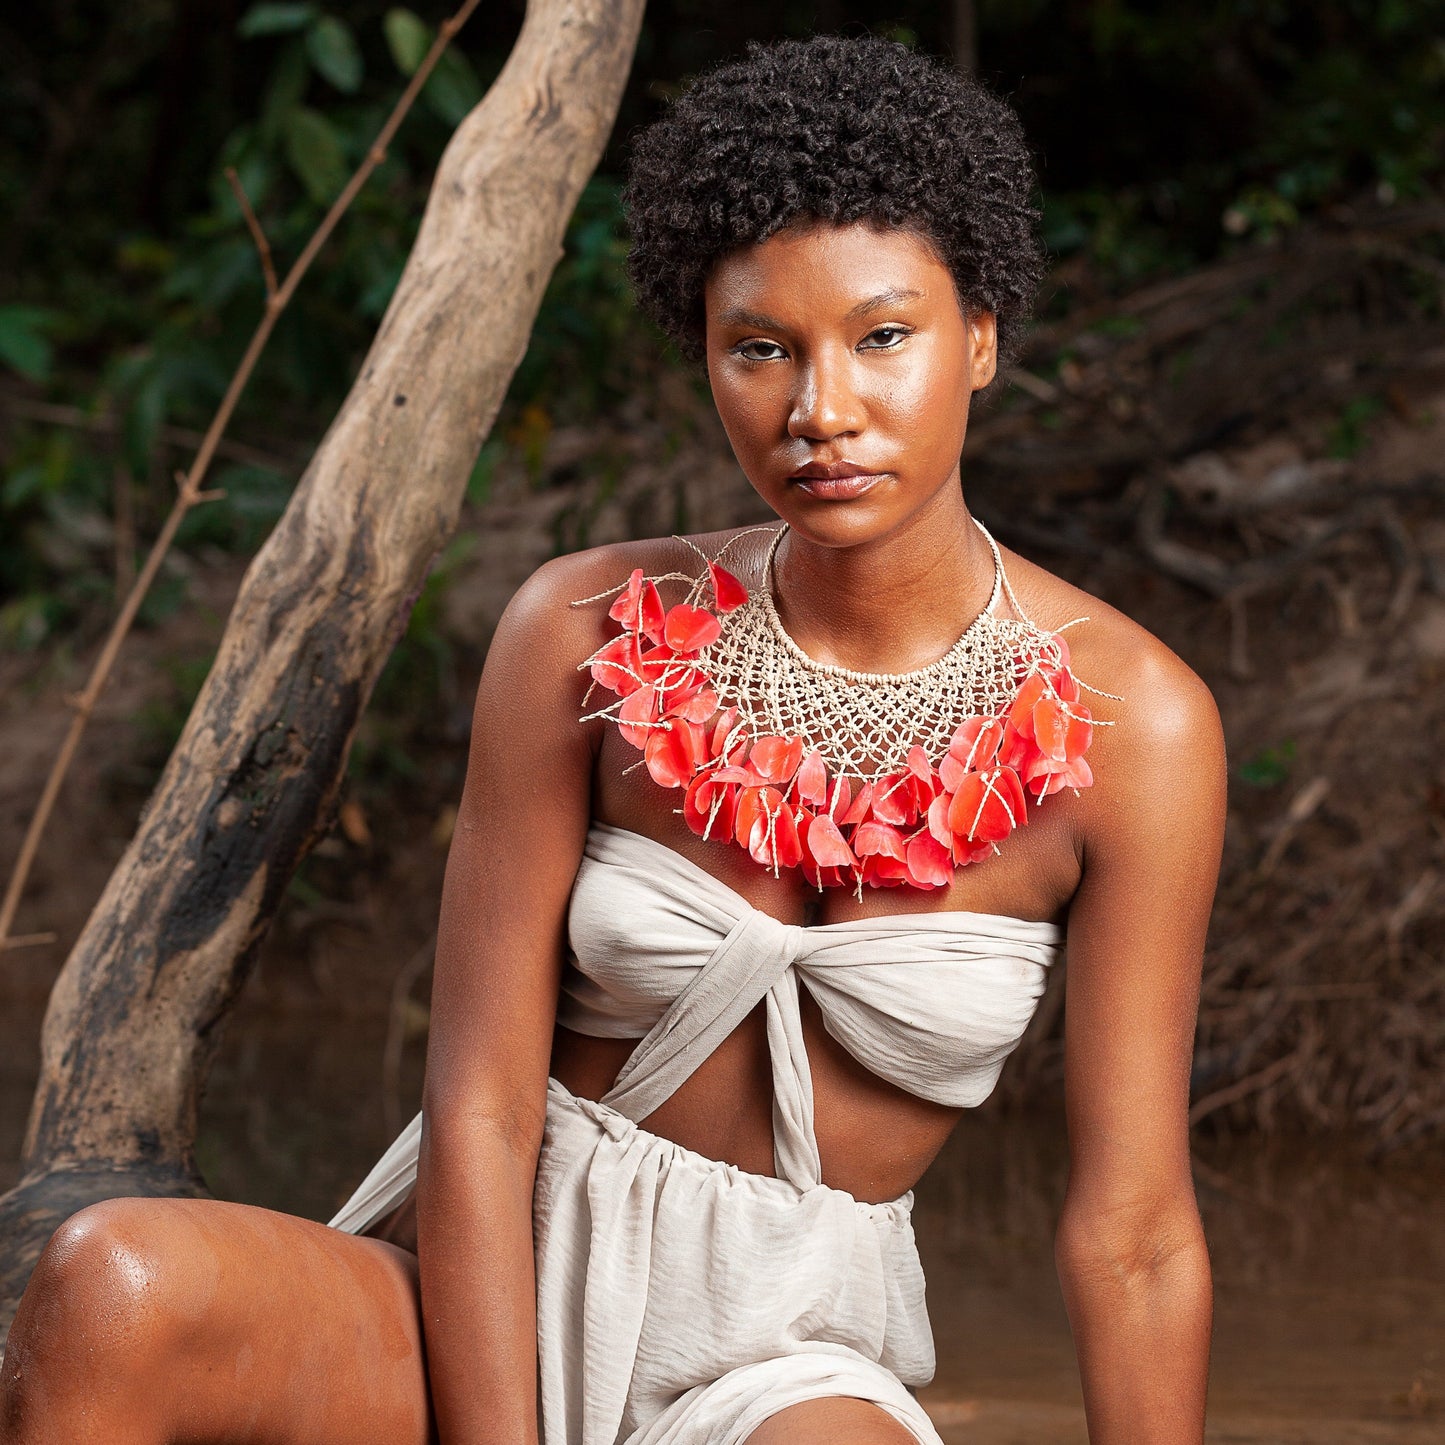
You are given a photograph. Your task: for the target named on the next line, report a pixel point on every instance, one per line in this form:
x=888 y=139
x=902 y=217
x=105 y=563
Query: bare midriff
x=874 y=1139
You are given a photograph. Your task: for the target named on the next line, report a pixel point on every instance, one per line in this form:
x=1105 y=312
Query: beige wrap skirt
x=683 y=1301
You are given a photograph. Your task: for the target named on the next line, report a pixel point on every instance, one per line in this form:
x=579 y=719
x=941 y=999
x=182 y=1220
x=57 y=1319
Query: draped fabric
x=681 y=1300
x=664 y=952
x=932 y=1002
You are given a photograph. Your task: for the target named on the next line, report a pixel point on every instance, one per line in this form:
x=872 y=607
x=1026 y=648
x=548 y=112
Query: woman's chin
x=837 y=524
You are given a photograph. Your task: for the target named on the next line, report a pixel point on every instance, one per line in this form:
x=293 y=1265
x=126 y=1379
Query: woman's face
x=842 y=366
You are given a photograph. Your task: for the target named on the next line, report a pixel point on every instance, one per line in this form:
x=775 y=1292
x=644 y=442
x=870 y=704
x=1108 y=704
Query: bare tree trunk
x=965 y=36
x=253 y=781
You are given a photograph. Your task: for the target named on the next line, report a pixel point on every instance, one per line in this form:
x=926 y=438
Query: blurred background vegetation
x=1166 y=136
x=1241 y=337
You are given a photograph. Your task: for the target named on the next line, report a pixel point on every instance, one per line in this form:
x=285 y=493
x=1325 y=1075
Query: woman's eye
x=884 y=338
x=758 y=350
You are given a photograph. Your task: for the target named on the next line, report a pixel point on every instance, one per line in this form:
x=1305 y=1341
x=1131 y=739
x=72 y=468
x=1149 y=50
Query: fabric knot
x=753 y=963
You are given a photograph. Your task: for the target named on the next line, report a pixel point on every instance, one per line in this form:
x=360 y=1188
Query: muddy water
x=1329 y=1268
x=1329 y=1275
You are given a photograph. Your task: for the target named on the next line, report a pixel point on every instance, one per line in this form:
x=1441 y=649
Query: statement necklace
x=855 y=778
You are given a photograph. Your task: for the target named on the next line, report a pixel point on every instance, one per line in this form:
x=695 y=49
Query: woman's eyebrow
x=756 y=321
x=753 y=320
x=881 y=300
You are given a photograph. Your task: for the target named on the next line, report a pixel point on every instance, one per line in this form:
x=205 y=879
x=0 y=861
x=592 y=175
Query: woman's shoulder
x=1158 y=710
x=559 y=616
x=565 y=585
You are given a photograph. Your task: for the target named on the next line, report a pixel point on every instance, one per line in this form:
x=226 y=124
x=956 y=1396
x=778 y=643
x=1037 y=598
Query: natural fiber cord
x=864 y=723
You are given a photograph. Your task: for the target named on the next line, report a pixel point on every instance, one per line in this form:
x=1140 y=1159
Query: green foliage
x=316 y=153
x=416 y=685
x=24 y=345
x=332 y=48
x=1171 y=133
x=275 y=20
x=417 y=670
x=588 y=341
x=165 y=710
x=408 y=39
x=1351 y=429
x=1269 y=767
x=145 y=340
x=453 y=88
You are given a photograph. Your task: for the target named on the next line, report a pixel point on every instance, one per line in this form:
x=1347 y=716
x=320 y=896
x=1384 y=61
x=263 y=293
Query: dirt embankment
x=1248 y=460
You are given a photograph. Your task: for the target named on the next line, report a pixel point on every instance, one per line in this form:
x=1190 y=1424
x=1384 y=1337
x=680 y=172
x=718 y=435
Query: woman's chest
x=1033 y=874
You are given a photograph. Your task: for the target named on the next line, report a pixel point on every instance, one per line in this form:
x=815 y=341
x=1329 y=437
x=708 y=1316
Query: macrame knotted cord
x=926 y=770
x=864 y=723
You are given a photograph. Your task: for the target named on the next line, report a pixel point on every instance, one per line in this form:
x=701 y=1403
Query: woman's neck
x=892 y=604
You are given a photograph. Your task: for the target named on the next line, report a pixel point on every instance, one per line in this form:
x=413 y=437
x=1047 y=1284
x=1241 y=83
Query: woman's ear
x=983 y=336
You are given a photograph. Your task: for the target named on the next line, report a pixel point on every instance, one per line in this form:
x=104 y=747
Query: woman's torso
x=874 y=1138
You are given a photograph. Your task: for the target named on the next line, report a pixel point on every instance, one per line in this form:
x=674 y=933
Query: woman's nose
x=824 y=405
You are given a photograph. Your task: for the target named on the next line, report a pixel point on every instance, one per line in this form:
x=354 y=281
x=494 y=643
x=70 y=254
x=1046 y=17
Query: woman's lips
x=837 y=489
x=834 y=483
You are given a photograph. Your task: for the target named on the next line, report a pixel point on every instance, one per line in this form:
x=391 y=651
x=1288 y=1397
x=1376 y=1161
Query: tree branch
x=263 y=246
x=189 y=493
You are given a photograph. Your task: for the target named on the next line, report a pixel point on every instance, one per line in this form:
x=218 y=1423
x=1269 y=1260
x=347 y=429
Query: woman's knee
x=108 y=1295
x=832 y=1420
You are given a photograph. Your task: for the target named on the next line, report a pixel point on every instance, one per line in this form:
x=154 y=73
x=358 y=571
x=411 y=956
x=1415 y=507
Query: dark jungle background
x=1229 y=421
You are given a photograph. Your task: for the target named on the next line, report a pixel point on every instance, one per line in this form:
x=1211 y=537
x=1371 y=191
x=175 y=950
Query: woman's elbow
x=460 y=1126
x=1130 y=1245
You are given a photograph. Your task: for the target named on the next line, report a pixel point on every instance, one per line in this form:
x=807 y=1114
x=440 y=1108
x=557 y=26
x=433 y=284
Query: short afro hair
x=840 y=130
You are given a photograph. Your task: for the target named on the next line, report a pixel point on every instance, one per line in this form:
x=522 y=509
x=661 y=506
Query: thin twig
x=27 y=940
x=263 y=246
x=190 y=492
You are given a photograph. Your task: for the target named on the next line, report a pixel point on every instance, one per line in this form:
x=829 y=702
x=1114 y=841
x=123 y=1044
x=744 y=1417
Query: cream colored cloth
x=932 y=1002
x=682 y=1300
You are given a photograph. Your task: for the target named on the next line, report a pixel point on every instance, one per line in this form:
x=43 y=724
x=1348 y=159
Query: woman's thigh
x=833 y=1420
x=158 y=1319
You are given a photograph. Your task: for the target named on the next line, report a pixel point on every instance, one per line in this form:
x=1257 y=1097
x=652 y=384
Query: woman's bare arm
x=519 y=836
x=1130 y=1248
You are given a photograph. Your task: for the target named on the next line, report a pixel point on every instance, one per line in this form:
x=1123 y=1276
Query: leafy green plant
x=158 y=353
x=1223 y=124
x=1269 y=767
x=1351 y=429
x=25 y=342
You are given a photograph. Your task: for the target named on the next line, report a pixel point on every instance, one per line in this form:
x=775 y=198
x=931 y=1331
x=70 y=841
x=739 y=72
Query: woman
x=826 y=819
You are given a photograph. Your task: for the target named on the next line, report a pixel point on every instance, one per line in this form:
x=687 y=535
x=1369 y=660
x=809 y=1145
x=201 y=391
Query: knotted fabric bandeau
x=753 y=963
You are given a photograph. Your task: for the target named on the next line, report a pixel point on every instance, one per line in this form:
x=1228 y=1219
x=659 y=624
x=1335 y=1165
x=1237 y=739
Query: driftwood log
x=253 y=781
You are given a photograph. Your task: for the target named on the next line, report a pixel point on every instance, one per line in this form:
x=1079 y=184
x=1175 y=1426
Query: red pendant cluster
x=773 y=795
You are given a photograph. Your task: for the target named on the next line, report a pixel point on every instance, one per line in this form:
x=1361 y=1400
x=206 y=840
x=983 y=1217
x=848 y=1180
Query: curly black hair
x=840 y=130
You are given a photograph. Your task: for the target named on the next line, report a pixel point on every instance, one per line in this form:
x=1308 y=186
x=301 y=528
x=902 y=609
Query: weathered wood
x=253 y=781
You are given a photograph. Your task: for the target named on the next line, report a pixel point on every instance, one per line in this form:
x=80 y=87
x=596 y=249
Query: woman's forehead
x=834 y=265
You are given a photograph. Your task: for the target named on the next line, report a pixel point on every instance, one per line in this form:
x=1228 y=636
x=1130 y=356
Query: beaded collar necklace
x=854 y=778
